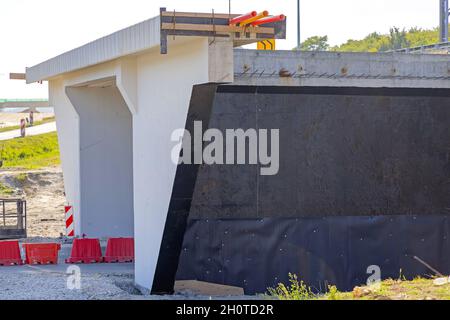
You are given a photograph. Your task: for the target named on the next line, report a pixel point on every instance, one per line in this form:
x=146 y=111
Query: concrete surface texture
x=293 y=68
x=92 y=86
x=106 y=146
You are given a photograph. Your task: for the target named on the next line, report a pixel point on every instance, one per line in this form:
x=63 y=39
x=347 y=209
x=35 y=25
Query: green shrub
x=297 y=290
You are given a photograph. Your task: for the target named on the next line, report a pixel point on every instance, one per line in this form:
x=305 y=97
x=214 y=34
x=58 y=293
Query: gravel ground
x=35 y=284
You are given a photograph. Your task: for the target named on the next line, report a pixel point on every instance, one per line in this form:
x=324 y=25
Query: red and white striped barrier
x=70 y=230
x=23 y=125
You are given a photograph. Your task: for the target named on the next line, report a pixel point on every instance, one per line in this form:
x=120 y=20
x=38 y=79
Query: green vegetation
x=5 y=190
x=36 y=123
x=376 y=42
x=391 y=289
x=21 y=177
x=316 y=43
x=416 y=289
x=396 y=39
x=295 y=291
x=31 y=152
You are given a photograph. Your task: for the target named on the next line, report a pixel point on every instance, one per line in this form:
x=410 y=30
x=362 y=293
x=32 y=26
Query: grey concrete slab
x=358 y=69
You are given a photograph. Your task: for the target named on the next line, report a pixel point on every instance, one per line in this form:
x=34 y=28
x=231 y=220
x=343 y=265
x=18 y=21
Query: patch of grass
x=36 y=123
x=21 y=177
x=416 y=289
x=31 y=152
x=390 y=289
x=5 y=190
x=335 y=294
x=297 y=290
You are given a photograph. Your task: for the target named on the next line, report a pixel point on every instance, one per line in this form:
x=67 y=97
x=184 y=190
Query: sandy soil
x=44 y=192
x=13 y=119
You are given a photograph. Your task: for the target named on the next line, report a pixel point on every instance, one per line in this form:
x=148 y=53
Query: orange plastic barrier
x=119 y=250
x=10 y=253
x=281 y=17
x=85 y=251
x=41 y=253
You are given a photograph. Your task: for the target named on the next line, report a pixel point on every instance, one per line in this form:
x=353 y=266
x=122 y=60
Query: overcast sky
x=32 y=31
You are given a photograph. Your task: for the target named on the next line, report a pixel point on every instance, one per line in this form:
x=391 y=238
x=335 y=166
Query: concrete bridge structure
x=29 y=104
x=118 y=100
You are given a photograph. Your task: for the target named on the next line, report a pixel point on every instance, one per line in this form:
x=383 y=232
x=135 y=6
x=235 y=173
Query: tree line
x=376 y=42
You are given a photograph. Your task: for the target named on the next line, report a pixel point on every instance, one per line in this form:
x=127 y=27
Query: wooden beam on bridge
x=17 y=76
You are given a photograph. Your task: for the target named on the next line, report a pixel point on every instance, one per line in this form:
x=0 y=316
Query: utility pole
x=298 y=25
x=443 y=20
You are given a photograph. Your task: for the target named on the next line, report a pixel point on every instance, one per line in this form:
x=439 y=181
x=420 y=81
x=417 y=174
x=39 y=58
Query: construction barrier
x=243 y=18
x=85 y=251
x=70 y=230
x=262 y=21
x=260 y=15
x=23 y=125
x=41 y=253
x=119 y=250
x=10 y=253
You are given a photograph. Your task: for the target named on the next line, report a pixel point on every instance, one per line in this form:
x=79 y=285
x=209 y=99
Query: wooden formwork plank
x=198 y=15
x=216 y=28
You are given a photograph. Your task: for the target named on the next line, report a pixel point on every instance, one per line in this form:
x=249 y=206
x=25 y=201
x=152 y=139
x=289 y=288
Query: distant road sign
x=266 y=44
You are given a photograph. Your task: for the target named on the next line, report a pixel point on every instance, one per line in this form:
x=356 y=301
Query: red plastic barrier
x=10 y=253
x=41 y=253
x=85 y=251
x=119 y=250
x=243 y=17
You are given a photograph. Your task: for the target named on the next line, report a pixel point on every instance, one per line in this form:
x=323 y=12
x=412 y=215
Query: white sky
x=32 y=31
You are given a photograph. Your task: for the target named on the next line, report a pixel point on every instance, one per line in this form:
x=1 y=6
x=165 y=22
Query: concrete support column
x=67 y=122
x=115 y=123
x=220 y=60
x=164 y=90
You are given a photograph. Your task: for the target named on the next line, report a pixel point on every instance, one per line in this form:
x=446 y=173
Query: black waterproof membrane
x=257 y=254
x=363 y=180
